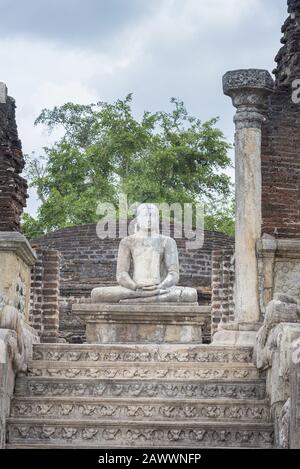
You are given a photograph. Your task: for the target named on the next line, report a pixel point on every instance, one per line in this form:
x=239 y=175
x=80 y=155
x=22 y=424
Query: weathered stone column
x=249 y=90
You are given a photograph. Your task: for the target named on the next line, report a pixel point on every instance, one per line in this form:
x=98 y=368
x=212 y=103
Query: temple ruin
x=220 y=372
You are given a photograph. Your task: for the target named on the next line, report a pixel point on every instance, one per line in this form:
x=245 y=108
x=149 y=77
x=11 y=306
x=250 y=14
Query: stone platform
x=146 y=323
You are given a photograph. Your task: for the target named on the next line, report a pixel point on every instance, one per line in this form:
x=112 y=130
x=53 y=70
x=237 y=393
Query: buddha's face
x=148 y=218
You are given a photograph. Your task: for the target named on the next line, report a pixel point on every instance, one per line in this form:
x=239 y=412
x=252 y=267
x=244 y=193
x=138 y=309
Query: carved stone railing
x=279 y=268
x=275 y=355
x=8 y=342
x=16 y=343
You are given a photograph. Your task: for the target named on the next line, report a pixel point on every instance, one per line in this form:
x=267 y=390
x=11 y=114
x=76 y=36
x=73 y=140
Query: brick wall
x=44 y=304
x=36 y=293
x=87 y=261
x=281 y=139
x=222 y=288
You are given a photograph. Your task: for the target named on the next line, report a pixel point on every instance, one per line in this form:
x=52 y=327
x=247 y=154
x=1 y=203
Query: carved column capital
x=249 y=90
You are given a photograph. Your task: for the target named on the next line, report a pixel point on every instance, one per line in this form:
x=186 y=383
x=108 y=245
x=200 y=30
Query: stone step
x=174 y=389
x=200 y=434
x=142 y=353
x=136 y=409
x=142 y=370
x=58 y=446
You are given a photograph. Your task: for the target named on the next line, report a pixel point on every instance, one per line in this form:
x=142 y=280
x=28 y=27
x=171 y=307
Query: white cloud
x=180 y=48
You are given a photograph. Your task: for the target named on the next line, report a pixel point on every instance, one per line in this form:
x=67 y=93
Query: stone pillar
x=249 y=90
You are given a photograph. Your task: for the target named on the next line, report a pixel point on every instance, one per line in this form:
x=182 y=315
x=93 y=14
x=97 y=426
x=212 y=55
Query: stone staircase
x=93 y=396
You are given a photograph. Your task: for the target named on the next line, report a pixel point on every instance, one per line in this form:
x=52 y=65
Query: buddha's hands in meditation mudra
x=155 y=266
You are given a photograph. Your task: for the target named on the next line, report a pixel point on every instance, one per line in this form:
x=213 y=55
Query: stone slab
x=235 y=338
x=142 y=308
x=12 y=241
x=237 y=334
x=241 y=326
x=164 y=323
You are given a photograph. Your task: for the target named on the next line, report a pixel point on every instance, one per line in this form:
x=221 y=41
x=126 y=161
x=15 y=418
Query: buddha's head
x=148 y=219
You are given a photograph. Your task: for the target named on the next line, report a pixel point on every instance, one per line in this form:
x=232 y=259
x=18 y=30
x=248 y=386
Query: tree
x=164 y=157
x=31 y=227
x=220 y=216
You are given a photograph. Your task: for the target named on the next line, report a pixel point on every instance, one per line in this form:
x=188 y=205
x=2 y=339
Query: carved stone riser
x=141 y=435
x=139 y=410
x=254 y=389
x=139 y=353
x=142 y=371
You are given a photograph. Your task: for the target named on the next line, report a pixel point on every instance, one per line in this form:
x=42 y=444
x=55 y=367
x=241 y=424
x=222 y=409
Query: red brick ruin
x=281 y=139
x=13 y=188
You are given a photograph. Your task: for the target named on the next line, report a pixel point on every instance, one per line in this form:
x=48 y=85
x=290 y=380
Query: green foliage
x=105 y=151
x=31 y=228
x=220 y=216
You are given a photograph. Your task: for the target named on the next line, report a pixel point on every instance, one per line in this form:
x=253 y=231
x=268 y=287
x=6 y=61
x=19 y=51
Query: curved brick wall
x=87 y=261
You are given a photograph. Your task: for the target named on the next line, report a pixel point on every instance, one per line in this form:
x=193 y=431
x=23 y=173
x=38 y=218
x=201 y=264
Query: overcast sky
x=55 y=51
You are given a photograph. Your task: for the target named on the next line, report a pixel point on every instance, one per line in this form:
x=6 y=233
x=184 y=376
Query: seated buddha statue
x=155 y=267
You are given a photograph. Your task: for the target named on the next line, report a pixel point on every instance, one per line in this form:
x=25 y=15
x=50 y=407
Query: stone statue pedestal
x=143 y=324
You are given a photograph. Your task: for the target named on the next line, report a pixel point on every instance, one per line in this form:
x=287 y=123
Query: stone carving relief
x=20 y=295
x=287 y=278
x=145 y=373
x=296 y=352
x=284 y=425
x=274 y=352
x=283 y=309
x=254 y=412
x=156 y=355
x=137 y=437
x=20 y=348
x=250 y=390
